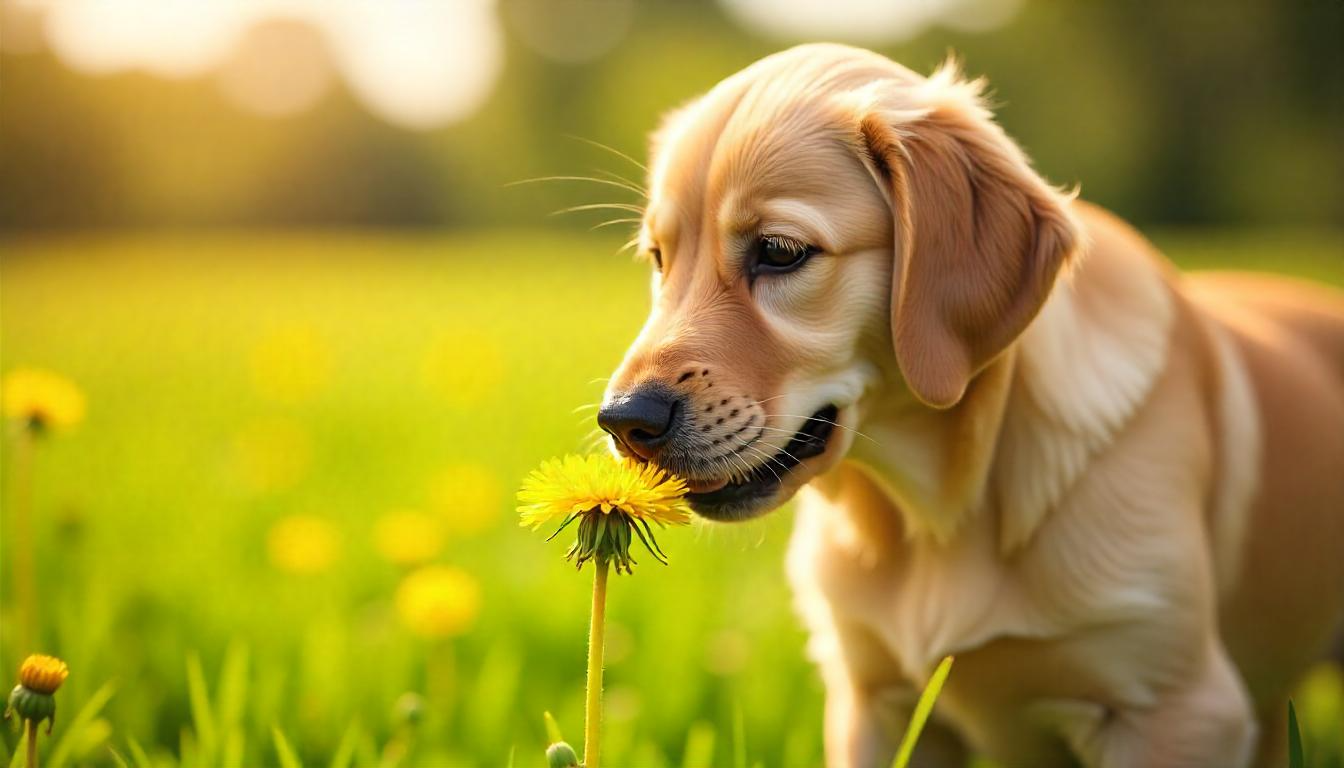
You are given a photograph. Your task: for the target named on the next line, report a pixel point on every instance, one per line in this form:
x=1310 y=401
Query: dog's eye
x=656 y=256
x=776 y=254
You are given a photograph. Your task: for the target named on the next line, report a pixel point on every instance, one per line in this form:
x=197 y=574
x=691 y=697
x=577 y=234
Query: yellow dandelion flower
x=468 y=496
x=290 y=365
x=407 y=537
x=438 y=601
x=303 y=544
x=609 y=498
x=42 y=399
x=43 y=674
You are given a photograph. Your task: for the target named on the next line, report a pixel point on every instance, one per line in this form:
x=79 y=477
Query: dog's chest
x=1043 y=649
x=917 y=609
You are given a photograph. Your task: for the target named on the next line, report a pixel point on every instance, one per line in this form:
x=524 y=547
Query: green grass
x=186 y=644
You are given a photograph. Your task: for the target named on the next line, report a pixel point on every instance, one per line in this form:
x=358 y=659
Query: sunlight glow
x=416 y=63
x=867 y=21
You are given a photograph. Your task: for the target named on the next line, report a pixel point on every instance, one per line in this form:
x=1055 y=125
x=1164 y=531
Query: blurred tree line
x=1173 y=112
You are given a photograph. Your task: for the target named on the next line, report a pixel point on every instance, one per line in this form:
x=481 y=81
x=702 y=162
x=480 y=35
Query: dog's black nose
x=643 y=418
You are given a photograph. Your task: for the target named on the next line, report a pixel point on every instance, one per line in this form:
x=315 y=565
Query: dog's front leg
x=1206 y=722
x=864 y=726
x=854 y=733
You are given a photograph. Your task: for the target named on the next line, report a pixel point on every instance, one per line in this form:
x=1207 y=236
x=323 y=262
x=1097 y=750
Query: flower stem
x=32 y=743
x=597 y=630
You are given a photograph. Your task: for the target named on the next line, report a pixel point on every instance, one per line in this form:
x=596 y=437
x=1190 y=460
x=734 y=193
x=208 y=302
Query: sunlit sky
x=415 y=63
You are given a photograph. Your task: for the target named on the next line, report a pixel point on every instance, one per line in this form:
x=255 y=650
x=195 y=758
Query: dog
x=1016 y=434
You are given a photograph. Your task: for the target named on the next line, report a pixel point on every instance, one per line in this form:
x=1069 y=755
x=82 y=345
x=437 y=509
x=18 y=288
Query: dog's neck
x=935 y=464
x=1030 y=422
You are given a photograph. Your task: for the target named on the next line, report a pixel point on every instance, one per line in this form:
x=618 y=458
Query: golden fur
x=1115 y=492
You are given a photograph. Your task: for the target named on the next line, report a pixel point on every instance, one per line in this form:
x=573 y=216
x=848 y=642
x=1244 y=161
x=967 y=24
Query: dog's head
x=827 y=229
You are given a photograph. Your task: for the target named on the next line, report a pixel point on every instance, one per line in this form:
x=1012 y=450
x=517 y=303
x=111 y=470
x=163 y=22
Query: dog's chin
x=774 y=482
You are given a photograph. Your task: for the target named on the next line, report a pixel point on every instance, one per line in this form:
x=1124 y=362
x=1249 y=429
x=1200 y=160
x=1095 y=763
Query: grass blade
x=1296 y=757
x=138 y=755
x=923 y=708
x=82 y=719
x=283 y=751
x=16 y=760
x=552 y=728
x=232 y=688
x=699 y=746
x=202 y=718
x=344 y=755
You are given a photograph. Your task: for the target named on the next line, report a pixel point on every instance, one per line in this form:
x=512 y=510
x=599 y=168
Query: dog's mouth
x=724 y=499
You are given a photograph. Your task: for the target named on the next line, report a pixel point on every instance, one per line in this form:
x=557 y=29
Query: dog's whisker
x=627 y=207
x=608 y=182
x=614 y=222
x=631 y=243
x=586 y=407
x=768 y=459
x=768 y=399
x=824 y=421
x=612 y=150
x=618 y=177
x=782 y=450
x=726 y=461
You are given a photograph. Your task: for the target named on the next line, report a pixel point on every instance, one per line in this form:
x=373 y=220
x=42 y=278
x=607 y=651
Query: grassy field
x=222 y=541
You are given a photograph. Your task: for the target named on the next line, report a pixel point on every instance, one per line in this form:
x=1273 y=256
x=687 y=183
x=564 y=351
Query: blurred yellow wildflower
x=463 y=368
x=290 y=365
x=408 y=537
x=303 y=544
x=438 y=601
x=43 y=673
x=41 y=399
x=610 y=498
x=271 y=454
x=468 y=496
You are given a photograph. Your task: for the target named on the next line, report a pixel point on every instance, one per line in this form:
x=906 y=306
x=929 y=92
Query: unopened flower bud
x=32 y=698
x=561 y=755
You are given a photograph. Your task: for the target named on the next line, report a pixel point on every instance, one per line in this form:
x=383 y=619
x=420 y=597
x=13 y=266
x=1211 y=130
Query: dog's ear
x=980 y=237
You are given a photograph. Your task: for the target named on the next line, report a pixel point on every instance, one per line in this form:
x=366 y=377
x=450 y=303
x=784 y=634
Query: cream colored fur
x=1114 y=492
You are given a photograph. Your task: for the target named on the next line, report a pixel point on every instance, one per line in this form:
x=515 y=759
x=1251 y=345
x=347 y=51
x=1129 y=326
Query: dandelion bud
x=410 y=708
x=32 y=698
x=561 y=755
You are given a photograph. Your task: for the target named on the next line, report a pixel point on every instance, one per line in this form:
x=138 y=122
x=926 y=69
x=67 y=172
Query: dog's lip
x=765 y=479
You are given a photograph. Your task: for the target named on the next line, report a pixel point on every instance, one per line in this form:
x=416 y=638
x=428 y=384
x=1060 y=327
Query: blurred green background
x=321 y=341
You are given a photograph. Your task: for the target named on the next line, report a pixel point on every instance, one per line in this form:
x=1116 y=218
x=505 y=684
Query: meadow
x=287 y=431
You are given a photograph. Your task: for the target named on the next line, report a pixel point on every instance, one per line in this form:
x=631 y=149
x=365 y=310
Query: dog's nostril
x=642 y=419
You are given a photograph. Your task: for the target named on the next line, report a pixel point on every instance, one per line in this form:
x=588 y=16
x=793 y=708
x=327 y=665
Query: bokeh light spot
x=438 y=601
x=280 y=67
x=303 y=544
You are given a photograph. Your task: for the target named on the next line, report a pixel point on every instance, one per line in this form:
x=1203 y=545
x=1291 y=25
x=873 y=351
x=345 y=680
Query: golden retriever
x=1016 y=434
